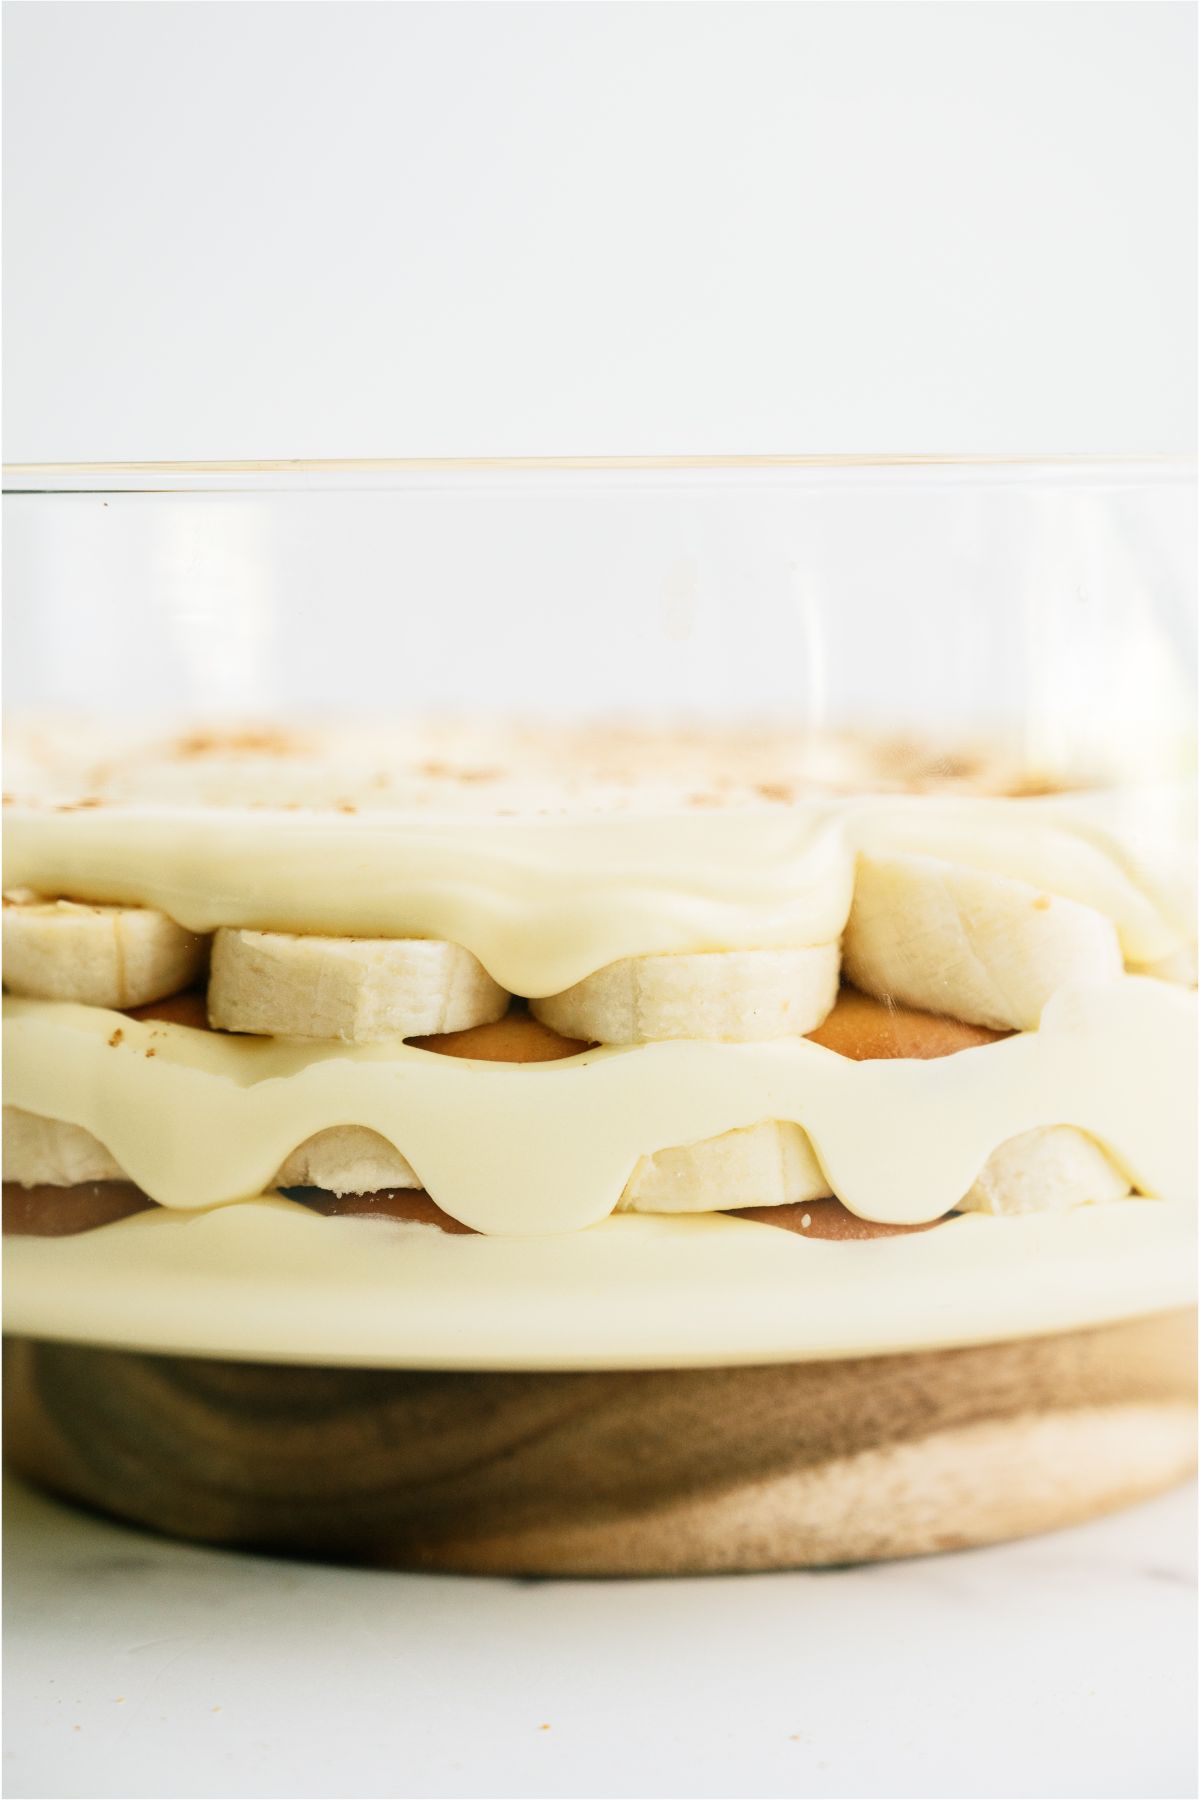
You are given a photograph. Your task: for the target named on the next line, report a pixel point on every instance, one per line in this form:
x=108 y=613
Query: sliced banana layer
x=358 y=990
x=767 y=1165
x=773 y=1162
x=114 y=956
x=1051 y=1169
x=970 y=944
x=732 y=995
x=347 y=1159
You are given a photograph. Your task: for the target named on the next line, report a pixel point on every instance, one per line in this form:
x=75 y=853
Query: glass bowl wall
x=1046 y=603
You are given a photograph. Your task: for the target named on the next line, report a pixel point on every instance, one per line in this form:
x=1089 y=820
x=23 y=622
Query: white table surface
x=1065 y=1665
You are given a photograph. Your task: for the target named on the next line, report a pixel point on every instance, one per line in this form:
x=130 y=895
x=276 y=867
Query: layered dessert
x=481 y=1047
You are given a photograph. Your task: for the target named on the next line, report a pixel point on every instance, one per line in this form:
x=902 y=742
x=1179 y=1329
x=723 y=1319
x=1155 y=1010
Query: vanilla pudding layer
x=200 y=1119
x=271 y=1281
x=543 y=902
x=551 y=853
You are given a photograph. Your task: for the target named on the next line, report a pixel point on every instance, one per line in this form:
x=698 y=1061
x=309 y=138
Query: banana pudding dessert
x=527 y=985
x=827 y=1101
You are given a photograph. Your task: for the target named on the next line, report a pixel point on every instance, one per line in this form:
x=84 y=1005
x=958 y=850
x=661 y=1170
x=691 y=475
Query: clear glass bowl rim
x=350 y=472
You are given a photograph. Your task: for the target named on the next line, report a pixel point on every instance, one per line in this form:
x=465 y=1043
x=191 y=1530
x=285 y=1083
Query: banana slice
x=50 y=1153
x=113 y=956
x=358 y=990
x=976 y=946
x=1050 y=1169
x=762 y=1165
x=346 y=1159
x=735 y=995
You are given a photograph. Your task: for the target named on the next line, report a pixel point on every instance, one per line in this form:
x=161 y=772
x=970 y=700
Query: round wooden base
x=633 y=1473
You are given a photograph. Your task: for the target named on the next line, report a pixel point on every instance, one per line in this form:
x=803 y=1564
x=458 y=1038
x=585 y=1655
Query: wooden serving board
x=628 y=1473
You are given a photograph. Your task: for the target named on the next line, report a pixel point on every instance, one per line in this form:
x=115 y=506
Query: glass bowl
x=530 y=814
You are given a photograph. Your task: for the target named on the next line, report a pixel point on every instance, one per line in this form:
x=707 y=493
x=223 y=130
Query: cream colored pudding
x=602 y=1002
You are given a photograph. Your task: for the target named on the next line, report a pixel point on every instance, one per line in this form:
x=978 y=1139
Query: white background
x=334 y=230
x=1060 y=1666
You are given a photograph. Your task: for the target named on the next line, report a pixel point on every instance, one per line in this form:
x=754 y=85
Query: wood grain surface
x=646 y=1472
